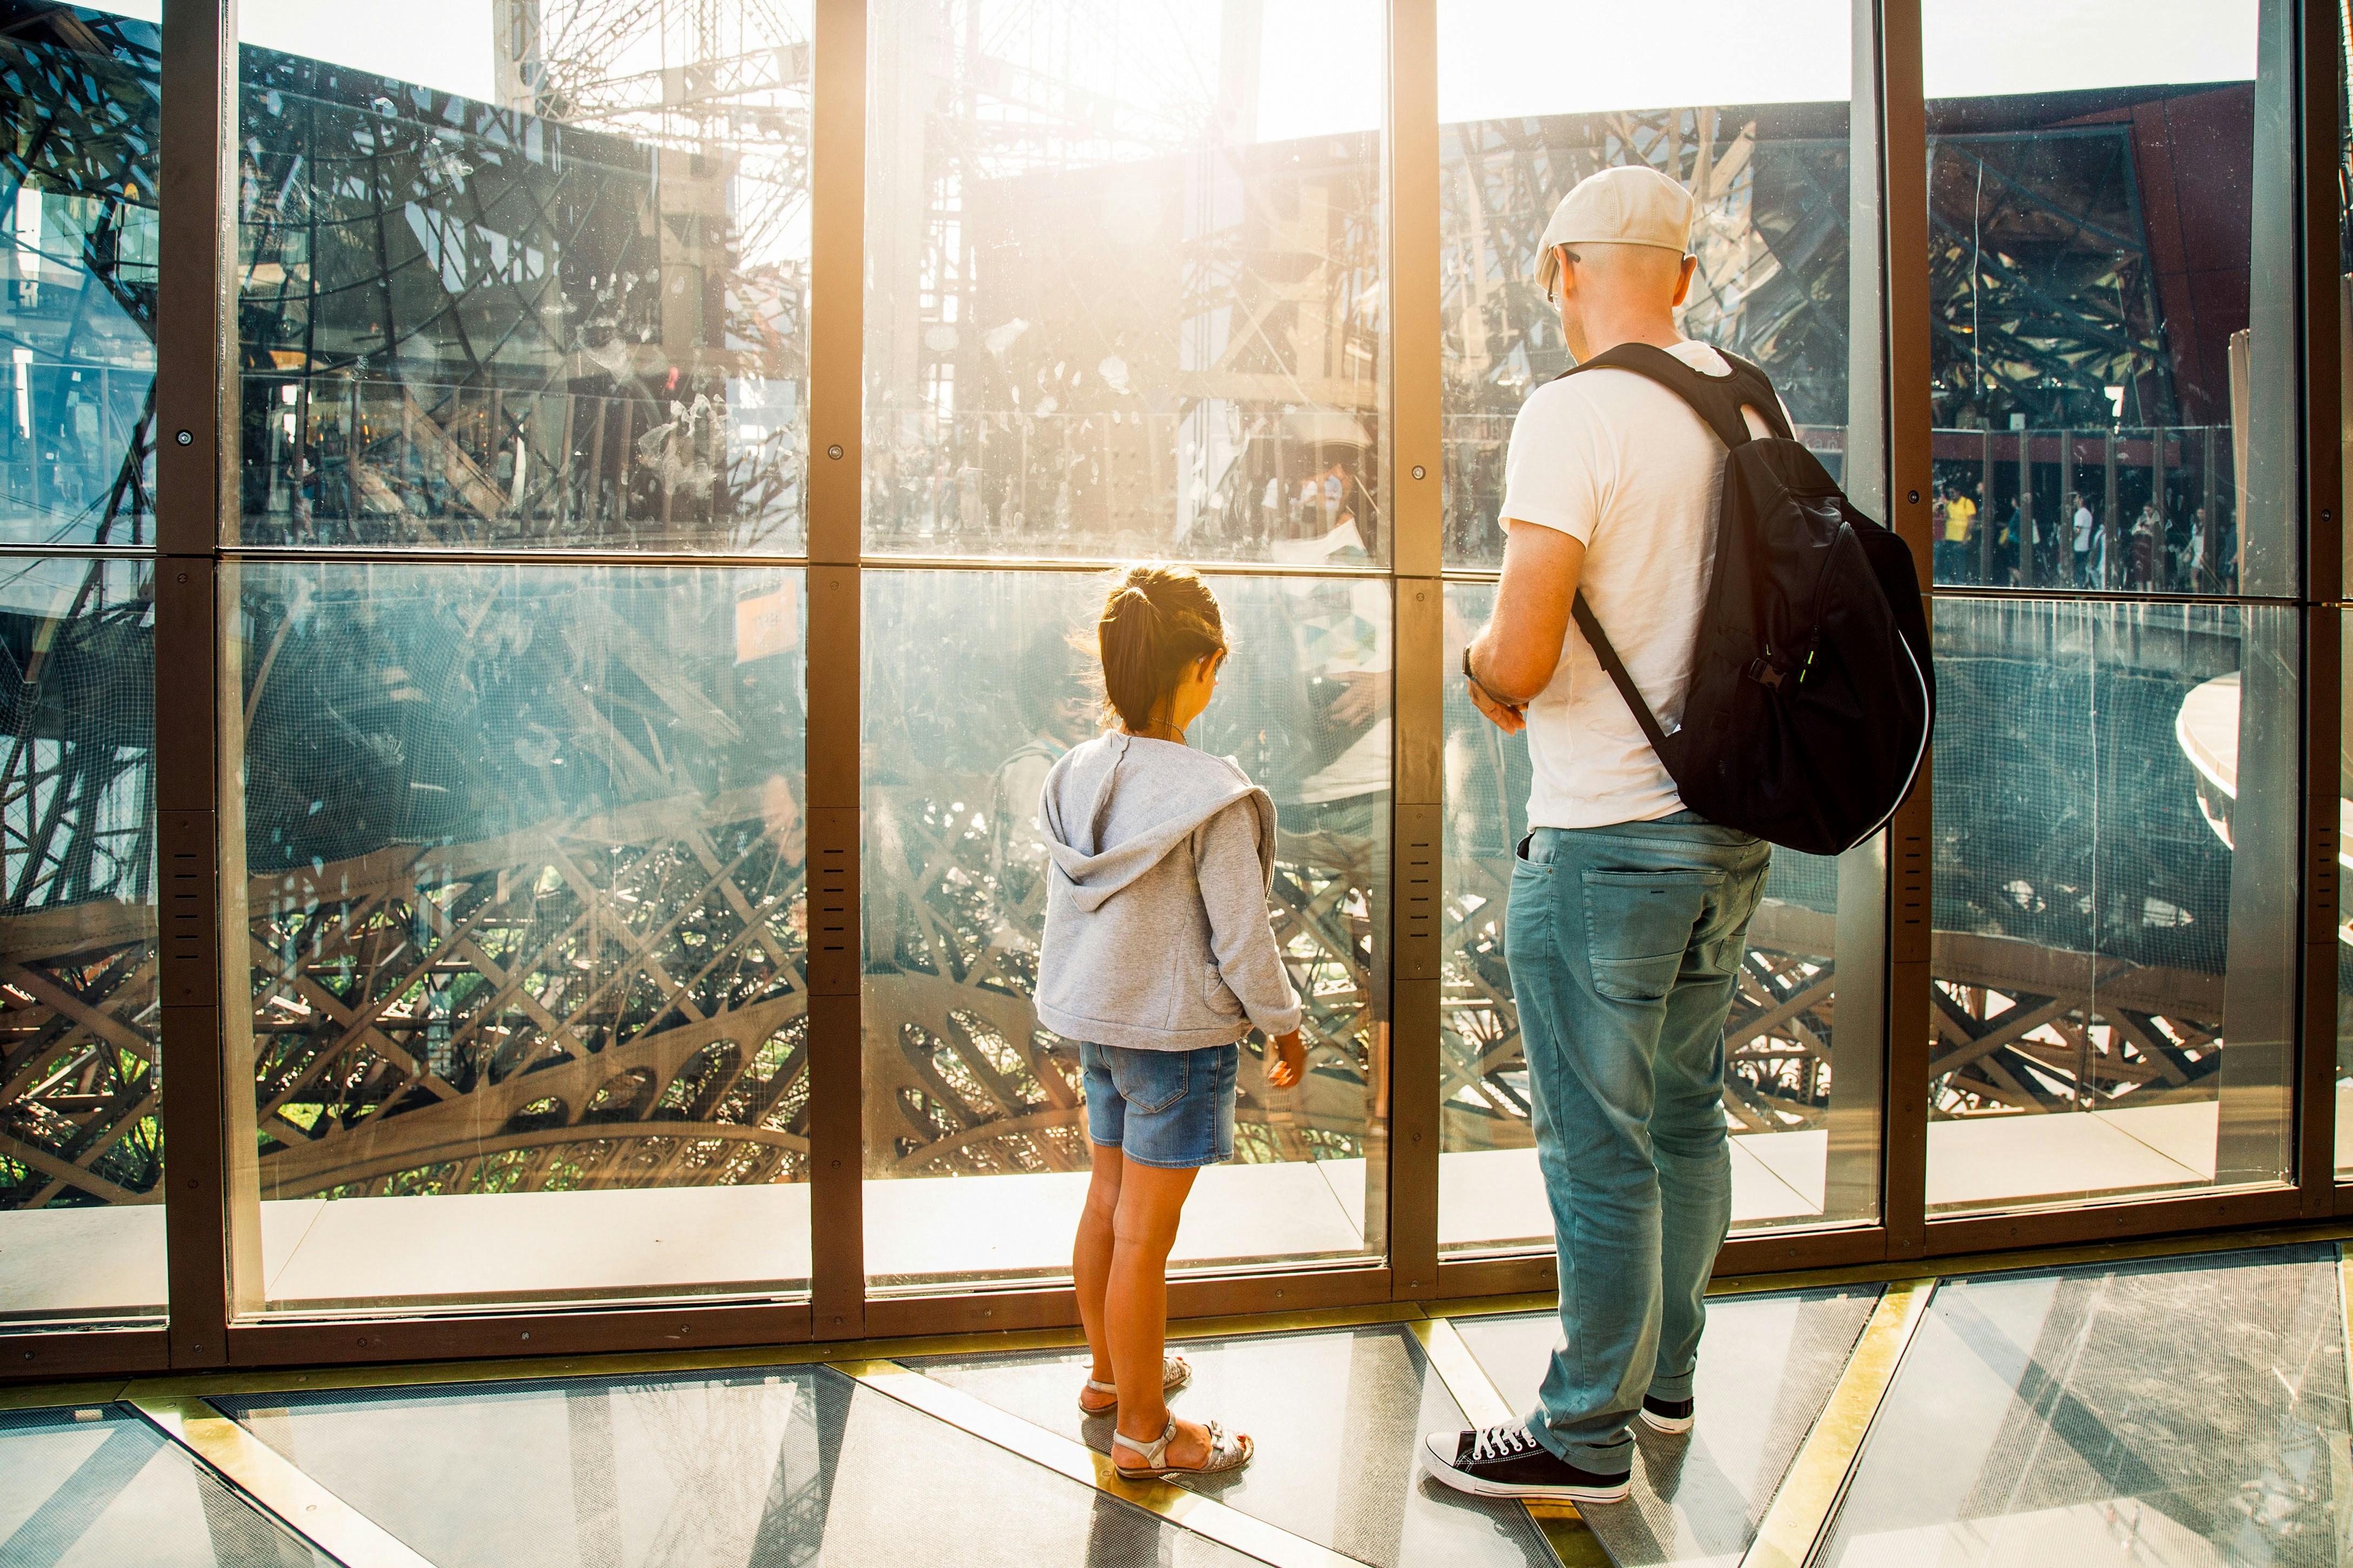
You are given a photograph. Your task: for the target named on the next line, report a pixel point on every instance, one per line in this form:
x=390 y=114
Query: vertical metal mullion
x=2320 y=141
x=212 y=1215
x=1416 y=557
x=1903 y=126
x=835 y=348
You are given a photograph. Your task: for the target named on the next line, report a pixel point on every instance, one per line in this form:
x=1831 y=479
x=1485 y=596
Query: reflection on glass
x=2096 y=236
x=527 y=914
x=1778 y=1091
x=2114 y=910
x=80 y=94
x=972 y=691
x=2025 y=1423
x=559 y=305
x=1769 y=159
x=81 y=1148
x=1126 y=281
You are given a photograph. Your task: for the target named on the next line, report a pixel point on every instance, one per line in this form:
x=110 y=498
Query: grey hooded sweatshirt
x=1156 y=930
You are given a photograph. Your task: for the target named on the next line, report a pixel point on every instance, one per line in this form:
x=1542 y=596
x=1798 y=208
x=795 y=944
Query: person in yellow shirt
x=1960 y=530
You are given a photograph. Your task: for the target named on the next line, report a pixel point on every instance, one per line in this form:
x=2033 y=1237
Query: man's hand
x=1510 y=720
x=1290 y=1061
x=1518 y=653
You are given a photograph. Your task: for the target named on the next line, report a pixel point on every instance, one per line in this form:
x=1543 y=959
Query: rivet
x=834 y=452
x=527 y=1333
x=1913 y=496
x=1420 y=472
x=184 y=439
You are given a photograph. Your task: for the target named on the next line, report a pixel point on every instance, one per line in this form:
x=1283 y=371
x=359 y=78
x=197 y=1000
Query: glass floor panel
x=97 y=1486
x=1338 y=1417
x=797 y=1467
x=2183 y=1411
x=1766 y=1366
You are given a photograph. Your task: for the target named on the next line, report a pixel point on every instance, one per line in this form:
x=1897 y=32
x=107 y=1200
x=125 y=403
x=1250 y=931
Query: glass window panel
x=976 y=1135
x=536 y=281
x=2114 y=900
x=1780 y=1090
x=81 y=92
x=527 y=910
x=81 y=1147
x=1762 y=138
x=2111 y=333
x=1125 y=280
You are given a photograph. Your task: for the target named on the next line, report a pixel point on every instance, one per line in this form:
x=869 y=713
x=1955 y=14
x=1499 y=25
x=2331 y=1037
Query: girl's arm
x=1233 y=891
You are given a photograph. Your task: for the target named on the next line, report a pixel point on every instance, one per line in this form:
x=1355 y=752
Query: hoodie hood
x=1165 y=792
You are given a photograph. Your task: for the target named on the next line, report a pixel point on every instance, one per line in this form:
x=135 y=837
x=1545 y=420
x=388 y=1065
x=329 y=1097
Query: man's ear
x=1682 y=284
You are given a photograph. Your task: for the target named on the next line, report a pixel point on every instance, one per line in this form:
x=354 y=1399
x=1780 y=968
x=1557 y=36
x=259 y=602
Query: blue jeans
x=1625 y=945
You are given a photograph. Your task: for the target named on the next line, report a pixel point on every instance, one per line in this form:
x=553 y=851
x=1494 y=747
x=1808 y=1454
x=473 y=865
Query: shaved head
x=1612 y=291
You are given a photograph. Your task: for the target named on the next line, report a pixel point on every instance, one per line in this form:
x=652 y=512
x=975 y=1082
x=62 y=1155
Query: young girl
x=1157 y=957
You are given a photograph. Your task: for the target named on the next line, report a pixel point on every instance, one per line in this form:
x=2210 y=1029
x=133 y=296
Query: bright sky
x=1322 y=61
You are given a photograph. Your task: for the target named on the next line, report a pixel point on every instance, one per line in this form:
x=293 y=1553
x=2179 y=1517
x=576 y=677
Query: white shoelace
x=1504 y=1442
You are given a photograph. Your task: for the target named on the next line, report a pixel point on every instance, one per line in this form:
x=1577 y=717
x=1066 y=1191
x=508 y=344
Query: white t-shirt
x=2083 y=529
x=1623 y=466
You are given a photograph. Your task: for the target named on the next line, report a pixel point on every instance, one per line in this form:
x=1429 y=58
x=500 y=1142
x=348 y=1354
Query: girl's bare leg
x=1090 y=1255
x=1136 y=1306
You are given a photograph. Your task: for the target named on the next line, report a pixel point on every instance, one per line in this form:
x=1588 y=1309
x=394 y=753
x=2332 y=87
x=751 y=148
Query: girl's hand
x=1290 y=1061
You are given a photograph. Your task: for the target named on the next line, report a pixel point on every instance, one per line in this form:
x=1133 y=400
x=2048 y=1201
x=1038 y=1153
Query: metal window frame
x=212 y=1200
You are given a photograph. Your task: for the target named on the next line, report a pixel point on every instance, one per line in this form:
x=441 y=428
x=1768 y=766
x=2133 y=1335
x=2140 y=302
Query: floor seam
x=1806 y=1498
x=278 y=1488
x=1205 y=1516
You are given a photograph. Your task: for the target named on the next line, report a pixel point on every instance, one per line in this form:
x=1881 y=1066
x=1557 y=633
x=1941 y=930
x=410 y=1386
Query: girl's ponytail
x=1156 y=621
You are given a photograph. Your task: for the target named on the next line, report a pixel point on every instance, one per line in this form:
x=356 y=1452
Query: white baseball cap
x=1635 y=205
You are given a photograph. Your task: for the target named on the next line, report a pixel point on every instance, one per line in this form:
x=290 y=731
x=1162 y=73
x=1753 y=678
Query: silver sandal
x=1224 y=1455
x=1174 y=1375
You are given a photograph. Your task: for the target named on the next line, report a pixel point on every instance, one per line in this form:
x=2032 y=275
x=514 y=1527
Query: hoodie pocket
x=1217 y=995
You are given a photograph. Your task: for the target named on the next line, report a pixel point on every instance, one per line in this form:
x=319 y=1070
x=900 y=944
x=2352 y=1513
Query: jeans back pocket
x=1149 y=1081
x=1638 y=924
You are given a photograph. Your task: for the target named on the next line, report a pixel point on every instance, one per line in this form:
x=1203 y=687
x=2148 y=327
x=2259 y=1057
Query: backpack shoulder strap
x=1717 y=399
x=1607 y=657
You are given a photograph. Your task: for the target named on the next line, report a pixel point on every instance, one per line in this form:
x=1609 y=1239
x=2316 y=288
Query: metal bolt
x=185 y=439
x=834 y=452
x=1913 y=496
x=1420 y=472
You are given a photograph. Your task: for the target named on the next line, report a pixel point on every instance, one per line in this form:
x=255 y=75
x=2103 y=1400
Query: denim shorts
x=1174 y=1109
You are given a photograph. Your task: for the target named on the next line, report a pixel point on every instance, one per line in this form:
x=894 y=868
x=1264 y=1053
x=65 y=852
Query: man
x=1939 y=530
x=1960 y=532
x=1628 y=915
x=2082 y=521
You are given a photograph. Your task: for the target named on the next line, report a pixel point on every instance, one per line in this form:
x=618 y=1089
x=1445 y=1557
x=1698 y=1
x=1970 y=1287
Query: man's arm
x=1514 y=658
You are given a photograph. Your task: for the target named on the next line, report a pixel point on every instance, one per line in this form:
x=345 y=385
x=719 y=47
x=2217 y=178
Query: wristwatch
x=1476 y=683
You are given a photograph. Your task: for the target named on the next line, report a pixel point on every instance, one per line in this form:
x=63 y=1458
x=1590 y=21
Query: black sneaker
x=1673 y=1416
x=1504 y=1462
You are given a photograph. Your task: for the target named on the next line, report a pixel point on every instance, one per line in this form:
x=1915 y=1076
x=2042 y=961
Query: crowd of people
x=2153 y=550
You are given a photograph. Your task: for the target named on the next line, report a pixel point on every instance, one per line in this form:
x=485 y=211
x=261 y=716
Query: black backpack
x=1812 y=696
